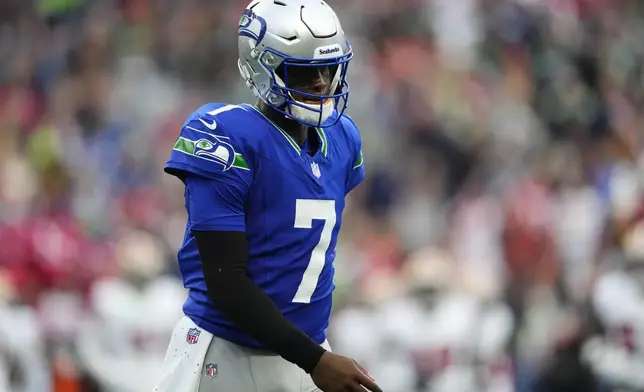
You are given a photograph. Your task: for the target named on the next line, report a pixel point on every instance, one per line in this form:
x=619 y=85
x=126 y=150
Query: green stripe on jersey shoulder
x=359 y=161
x=187 y=146
x=240 y=162
x=184 y=145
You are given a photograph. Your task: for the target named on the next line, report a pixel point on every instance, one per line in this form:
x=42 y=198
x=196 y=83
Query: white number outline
x=306 y=211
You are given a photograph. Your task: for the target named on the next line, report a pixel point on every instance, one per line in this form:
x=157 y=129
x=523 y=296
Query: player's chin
x=315 y=102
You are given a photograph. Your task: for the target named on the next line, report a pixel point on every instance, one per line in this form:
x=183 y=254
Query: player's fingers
x=368 y=382
x=363 y=370
x=355 y=388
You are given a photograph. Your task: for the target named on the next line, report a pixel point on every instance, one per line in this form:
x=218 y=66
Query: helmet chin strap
x=310 y=113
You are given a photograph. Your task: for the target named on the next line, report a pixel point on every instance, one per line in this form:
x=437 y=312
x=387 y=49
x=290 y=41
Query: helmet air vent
x=320 y=21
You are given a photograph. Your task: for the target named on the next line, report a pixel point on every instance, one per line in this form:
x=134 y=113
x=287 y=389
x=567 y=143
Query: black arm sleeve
x=224 y=256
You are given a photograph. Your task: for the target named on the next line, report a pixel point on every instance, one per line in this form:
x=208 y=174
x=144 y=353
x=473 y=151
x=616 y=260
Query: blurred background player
x=21 y=344
x=124 y=345
x=616 y=354
x=427 y=322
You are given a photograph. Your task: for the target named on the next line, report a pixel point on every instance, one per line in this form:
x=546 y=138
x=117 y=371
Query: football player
x=124 y=338
x=617 y=352
x=265 y=187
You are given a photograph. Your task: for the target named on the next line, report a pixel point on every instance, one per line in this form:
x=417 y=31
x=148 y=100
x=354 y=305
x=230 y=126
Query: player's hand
x=335 y=373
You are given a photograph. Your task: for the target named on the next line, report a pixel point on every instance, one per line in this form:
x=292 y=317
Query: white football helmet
x=282 y=41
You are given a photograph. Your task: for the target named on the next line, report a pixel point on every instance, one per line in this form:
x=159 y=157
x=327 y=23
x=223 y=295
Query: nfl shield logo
x=193 y=335
x=211 y=370
x=315 y=168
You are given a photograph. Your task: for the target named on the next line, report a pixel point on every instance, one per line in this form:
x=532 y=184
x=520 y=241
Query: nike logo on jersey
x=212 y=126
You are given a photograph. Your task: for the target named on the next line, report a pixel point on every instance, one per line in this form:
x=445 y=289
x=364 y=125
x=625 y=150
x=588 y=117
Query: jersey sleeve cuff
x=218 y=227
x=179 y=169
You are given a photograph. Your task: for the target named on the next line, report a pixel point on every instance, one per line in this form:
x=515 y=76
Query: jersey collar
x=291 y=141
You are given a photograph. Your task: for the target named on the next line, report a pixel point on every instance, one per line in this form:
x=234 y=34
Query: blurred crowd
x=497 y=243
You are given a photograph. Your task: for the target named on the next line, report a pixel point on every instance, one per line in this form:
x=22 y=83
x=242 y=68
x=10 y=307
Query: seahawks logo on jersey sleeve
x=215 y=149
x=220 y=152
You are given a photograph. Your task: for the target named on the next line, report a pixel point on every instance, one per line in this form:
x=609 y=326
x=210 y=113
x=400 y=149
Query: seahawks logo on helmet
x=252 y=26
x=217 y=151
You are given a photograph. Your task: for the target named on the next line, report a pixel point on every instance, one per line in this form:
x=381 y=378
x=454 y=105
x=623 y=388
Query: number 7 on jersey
x=306 y=211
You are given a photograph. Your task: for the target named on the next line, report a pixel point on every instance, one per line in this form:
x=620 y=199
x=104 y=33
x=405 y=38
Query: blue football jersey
x=288 y=202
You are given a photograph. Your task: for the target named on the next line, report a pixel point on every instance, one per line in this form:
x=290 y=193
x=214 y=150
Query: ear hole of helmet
x=250 y=68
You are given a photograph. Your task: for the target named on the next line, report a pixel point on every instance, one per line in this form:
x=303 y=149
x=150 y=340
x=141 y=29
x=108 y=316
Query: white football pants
x=197 y=361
